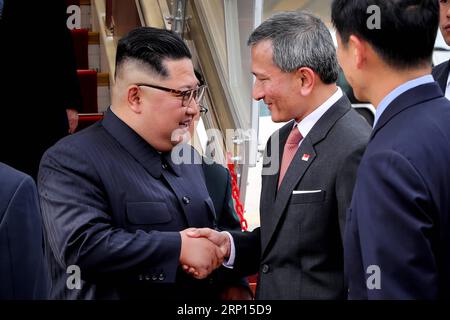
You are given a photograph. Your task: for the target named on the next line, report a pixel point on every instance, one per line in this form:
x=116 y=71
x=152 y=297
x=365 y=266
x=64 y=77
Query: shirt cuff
x=230 y=262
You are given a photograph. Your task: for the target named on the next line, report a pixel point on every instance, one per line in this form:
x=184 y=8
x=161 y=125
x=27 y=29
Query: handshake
x=203 y=250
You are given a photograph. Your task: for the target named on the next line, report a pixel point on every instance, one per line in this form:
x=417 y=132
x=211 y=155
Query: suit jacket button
x=265 y=268
x=186 y=200
x=161 y=277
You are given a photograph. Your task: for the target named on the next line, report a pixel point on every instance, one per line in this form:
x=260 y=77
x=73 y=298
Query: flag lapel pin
x=305 y=157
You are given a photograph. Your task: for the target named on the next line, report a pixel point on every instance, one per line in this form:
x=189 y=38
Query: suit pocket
x=147 y=213
x=308 y=197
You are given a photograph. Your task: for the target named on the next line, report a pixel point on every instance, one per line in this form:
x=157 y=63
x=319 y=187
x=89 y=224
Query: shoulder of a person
x=210 y=166
x=352 y=128
x=440 y=67
x=90 y=138
x=12 y=180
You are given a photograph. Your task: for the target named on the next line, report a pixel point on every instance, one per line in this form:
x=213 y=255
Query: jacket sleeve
x=345 y=182
x=392 y=206
x=80 y=229
x=248 y=251
x=22 y=223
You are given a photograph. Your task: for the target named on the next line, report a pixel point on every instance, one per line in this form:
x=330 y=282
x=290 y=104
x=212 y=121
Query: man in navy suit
x=441 y=71
x=397 y=239
x=115 y=199
x=23 y=271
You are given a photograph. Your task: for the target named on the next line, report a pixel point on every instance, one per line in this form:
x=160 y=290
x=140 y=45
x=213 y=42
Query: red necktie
x=290 y=148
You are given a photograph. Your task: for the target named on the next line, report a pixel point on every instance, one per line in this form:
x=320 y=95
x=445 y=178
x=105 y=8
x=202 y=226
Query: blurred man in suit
x=397 y=240
x=114 y=201
x=23 y=270
x=218 y=183
x=298 y=249
x=441 y=71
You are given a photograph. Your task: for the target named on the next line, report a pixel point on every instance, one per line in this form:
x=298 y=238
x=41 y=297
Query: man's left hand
x=72 y=117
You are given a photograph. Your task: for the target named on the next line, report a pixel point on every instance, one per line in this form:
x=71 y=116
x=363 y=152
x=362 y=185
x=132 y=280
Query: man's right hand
x=200 y=254
x=221 y=239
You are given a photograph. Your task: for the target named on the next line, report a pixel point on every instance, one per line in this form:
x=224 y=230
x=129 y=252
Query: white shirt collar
x=310 y=120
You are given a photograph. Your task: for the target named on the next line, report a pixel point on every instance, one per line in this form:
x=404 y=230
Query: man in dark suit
x=113 y=199
x=298 y=248
x=397 y=239
x=23 y=271
x=40 y=94
x=441 y=71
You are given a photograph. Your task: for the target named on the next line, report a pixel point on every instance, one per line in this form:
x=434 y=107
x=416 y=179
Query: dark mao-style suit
x=114 y=206
x=23 y=270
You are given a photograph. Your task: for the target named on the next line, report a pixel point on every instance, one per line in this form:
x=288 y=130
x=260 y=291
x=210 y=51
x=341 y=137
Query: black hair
x=405 y=36
x=151 y=46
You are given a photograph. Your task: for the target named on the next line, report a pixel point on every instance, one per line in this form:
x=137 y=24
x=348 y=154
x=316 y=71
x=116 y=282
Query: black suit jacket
x=399 y=220
x=114 y=206
x=218 y=183
x=440 y=74
x=298 y=249
x=23 y=271
x=39 y=81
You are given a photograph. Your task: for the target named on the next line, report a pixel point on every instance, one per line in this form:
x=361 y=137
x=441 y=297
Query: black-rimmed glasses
x=186 y=95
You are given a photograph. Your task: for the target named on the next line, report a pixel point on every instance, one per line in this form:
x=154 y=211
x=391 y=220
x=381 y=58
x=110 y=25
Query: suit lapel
x=293 y=175
x=440 y=74
x=297 y=168
x=278 y=138
x=407 y=99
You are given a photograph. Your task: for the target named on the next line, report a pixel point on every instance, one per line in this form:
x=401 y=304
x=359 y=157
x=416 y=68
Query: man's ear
x=134 y=99
x=306 y=79
x=358 y=48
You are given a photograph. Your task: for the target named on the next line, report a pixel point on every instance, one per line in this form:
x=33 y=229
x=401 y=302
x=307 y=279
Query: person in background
x=40 y=93
x=218 y=183
x=397 y=239
x=23 y=269
x=441 y=71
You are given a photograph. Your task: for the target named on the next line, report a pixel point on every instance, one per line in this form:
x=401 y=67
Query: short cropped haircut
x=407 y=30
x=151 y=46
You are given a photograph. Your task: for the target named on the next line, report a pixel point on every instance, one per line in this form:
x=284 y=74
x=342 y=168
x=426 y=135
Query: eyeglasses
x=187 y=95
x=203 y=109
